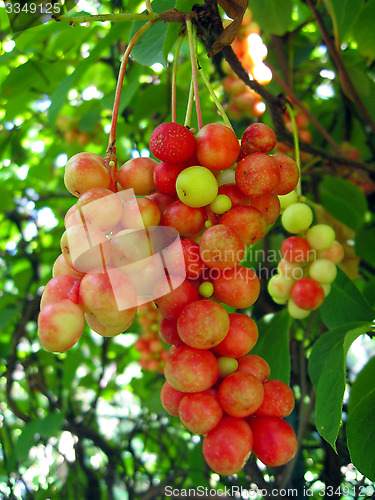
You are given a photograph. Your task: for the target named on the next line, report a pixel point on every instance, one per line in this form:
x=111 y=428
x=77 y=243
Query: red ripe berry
x=289 y=173
x=227 y=448
x=269 y=205
x=172 y=142
x=168 y=332
x=217 y=146
x=248 y=222
x=278 y=400
x=257 y=175
x=236 y=197
x=275 y=441
x=258 y=137
x=170 y=399
x=171 y=304
x=238 y=287
x=186 y=220
x=162 y=200
x=295 y=249
x=165 y=175
x=307 y=294
x=255 y=365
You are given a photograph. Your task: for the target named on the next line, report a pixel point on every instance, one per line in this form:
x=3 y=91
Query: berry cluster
x=85 y=275
x=212 y=383
x=308 y=264
x=69 y=128
x=218 y=196
x=151 y=348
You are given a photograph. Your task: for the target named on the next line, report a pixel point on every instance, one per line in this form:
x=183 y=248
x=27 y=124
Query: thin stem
x=148 y=7
x=174 y=77
x=119 y=18
x=120 y=79
x=194 y=72
x=347 y=84
x=111 y=159
x=296 y=146
x=289 y=91
x=214 y=97
x=189 y=108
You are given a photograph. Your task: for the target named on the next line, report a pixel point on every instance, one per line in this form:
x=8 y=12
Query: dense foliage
x=88 y=423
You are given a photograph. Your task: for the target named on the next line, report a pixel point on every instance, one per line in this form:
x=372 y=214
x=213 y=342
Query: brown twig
x=347 y=84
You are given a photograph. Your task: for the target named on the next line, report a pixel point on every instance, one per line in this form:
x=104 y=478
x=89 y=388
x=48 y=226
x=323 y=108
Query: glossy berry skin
x=217 y=146
x=137 y=174
x=165 y=176
x=171 y=304
x=289 y=173
x=238 y=287
x=221 y=248
x=257 y=175
x=255 y=365
x=258 y=137
x=186 y=220
x=170 y=399
x=240 y=394
x=307 y=294
x=227 y=448
x=241 y=337
x=85 y=171
x=248 y=223
x=278 y=400
x=191 y=370
x=200 y=412
x=295 y=249
x=168 y=332
x=60 y=288
x=275 y=442
x=192 y=263
x=234 y=194
x=162 y=200
x=203 y=324
x=172 y=142
x=269 y=205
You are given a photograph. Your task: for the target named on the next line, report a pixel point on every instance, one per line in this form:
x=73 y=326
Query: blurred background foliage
x=88 y=424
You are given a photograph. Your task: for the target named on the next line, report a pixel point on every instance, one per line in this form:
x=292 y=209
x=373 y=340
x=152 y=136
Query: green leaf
x=273 y=344
x=45 y=427
x=363 y=30
x=365 y=244
x=59 y=96
x=326 y=369
x=273 y=16
x=345 y=303
x=343 y=14
x=361 y=423
x=149 y=48
x=174 y=29
x=343 y=200
x=364 y=383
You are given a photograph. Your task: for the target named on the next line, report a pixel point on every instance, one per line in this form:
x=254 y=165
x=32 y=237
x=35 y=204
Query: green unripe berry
x=320 y=236
x=297 y=218
x=206 y=289
x=287 y=199
x=323 y=271
x=227 y=366
x=296 y=312
x=196 y=186
x=221 y=204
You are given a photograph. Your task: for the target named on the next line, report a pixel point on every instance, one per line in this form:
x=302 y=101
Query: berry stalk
x=174 y=77
x=296 y=146
x=194 y=72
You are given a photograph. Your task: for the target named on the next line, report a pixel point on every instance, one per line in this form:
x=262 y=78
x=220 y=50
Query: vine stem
x=148 y=6
x=111 y=160
x=214 y=97
x=193 y=59
x=189 y=107
x=174 y=77
x=296 y=146
x=169 y=16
